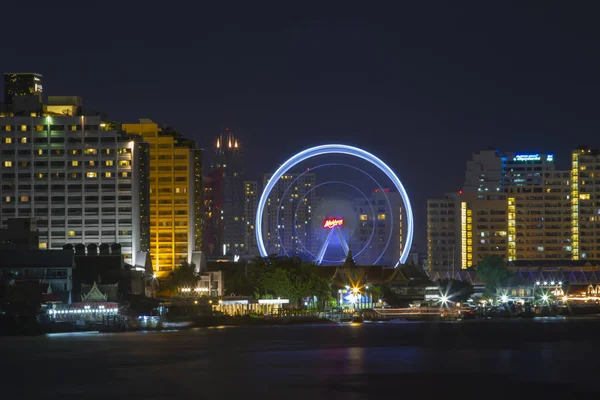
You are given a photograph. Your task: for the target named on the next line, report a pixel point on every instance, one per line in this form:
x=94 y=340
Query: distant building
x=522 y=209
x=18 y=84
x=292 y=199
x=226 y=187
x=379 y=237
x=251 y=195
x=175 y=198
x=494 y=171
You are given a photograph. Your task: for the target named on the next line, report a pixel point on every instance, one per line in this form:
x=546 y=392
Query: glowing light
x=444 y=299
x=333 y=222
x=335 y=149
x=545 y=297
x=504 y=298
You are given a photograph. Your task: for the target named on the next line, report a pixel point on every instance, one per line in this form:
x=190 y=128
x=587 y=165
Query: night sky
x=422 y=85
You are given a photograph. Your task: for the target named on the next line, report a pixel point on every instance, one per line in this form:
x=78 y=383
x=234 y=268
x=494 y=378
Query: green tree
x=492 y=271
x=455 y=290
x=184 y=275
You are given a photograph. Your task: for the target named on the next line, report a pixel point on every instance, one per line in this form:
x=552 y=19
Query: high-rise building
x=443 y=233
x=225 y=227
x=535 y=213
x=287 y=220
x=22 y=84
x=585 y=204
x=539 y=219
x=381 y=233
x=82 y=180
x=250 y=204
x=175 y=195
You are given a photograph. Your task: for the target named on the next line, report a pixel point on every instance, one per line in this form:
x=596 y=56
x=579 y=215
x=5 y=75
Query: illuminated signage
x=333 y=222
x=527 y=157
x=550 y=157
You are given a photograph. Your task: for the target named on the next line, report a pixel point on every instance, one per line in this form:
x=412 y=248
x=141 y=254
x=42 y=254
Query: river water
x=549 y=358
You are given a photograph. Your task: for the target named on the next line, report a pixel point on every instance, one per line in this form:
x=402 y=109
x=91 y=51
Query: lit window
x=125 y=174
x=24 y=199
x=8 y=164
x=74 y=152
x=71 y=233
x=92 y=174
x=73 y=127
x=23 y=128
x=108 y=174
x=75 y=163
x=40 y=152
x=363 y=217
x=23 y=140
x=584 y=196
x=381 y=217
x=91 y=151
x=107 y=151
x=7 y=199
x=92 y=163
x=7 y=128
x=124 y=163
x=109 y=163
x=8 y=140
x=43 y=245
x=40 y=176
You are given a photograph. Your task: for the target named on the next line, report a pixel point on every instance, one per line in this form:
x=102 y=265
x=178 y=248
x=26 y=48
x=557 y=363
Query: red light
x=387 y=190
x=376 y=190
x=460 y=192
x=226 y=129
x=333 y=222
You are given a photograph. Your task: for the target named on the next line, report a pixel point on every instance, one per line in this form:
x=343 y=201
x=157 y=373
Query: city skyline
x=484 y=74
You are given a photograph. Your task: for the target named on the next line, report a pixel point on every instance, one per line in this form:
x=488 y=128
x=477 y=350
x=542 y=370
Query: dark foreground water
x=477 y=359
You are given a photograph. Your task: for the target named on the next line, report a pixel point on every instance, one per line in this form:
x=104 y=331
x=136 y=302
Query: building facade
x=379 y=235
x=83 y=181
x=288 y=218
x=251 y=195
x=225 y=211
x=538 y=213
x=21 y=84
x=175 y=195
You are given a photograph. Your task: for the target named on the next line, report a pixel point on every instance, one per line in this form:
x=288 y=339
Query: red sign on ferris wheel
x=331 y=223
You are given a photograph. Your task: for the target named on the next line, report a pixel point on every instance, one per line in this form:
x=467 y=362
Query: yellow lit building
x=585 y=202
x=175 y=195
x=542 y=219
x=443 y=235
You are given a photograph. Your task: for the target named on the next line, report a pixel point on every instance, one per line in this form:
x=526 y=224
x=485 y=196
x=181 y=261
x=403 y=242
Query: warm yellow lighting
x=92 y=175
x=8 y=140
x=363 y=217
x=381 y=217
x=71 y=233
x=8 y=164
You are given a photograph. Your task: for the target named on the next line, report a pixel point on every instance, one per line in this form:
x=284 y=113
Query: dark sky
x=423 y=84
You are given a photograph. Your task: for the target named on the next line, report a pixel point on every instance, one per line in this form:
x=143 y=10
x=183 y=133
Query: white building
x=83 y=181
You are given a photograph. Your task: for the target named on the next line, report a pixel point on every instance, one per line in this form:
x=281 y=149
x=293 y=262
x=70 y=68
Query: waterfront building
x=585 y=204
x=443 y=233
x=539 y=213
x=83 y=180
x=175 y=195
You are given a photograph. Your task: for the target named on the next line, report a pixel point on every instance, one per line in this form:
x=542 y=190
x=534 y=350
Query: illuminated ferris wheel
x=288 y=222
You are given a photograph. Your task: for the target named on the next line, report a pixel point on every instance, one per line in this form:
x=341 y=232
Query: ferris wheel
x=331 y=227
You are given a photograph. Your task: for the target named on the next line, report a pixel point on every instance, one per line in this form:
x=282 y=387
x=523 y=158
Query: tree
x=184 y=275
x=455 y=290
x=492 y=271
